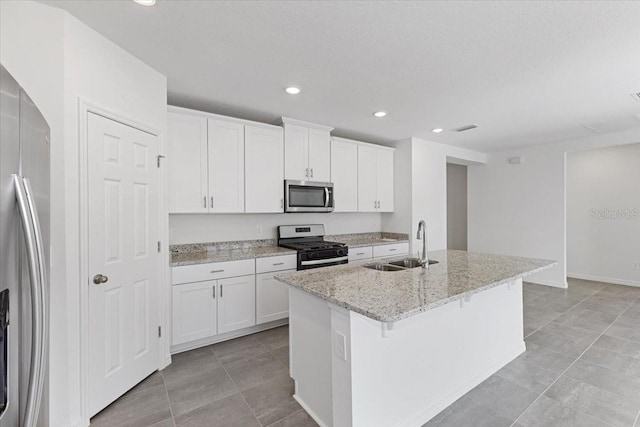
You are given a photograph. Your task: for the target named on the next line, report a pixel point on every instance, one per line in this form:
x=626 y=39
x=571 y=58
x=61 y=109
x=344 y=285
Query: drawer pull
x=217 y=271
x=392 y=250
x=278 y=263
x=360 y=253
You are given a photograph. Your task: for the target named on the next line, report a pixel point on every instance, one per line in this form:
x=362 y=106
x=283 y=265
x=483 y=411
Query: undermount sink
x=383 y=267
x=411 y=262
x=401 y=265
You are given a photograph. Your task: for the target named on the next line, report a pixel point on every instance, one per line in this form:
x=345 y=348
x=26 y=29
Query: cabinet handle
x=221 y=288
x=306 y=172
x=375 y=204
x=278 y=263
x=281 y=203
x=392 y=250
x=217 y=271
x=360 y=253
x=211 y=201
x=214 y=291
x=311 y=172
x=205 y=201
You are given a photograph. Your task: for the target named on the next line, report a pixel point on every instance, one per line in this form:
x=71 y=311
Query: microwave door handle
x=35 y=258
x=326 y=197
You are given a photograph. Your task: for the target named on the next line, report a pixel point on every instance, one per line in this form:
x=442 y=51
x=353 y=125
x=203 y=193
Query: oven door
x=308 y=196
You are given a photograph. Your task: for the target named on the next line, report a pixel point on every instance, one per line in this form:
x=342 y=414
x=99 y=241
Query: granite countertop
x=202 y=253
x=388 y=296
x=226 y=254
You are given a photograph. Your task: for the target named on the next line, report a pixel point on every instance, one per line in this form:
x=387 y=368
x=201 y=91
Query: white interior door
x=123 y=235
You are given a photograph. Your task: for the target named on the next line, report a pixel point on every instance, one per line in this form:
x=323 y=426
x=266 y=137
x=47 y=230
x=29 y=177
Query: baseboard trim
x=228 y=336
x=553 y=283
x=604 y=279
x=455 y=393
x=309 y=411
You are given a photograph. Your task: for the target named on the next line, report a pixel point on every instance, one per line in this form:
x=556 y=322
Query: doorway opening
x=456 y=206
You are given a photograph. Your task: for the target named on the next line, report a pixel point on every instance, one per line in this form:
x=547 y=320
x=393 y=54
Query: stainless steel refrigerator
x=24 y=257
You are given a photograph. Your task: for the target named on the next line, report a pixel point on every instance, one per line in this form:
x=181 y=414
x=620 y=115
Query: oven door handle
x=324 y=261
x=326 y=197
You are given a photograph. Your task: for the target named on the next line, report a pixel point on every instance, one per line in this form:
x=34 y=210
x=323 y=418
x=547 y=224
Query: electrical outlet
x=636 y=265
x=259 y=230
x=341 y=345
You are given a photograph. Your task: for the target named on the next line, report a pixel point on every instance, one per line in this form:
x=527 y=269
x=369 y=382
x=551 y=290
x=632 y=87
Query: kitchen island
x=394 y=348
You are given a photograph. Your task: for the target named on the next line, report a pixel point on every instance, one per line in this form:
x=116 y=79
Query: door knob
x=99 y=279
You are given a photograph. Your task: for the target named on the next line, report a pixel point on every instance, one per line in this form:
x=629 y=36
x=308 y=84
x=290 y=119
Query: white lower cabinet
x=272 y=298
x=394 y=249
x=236 y=303
x=194 y=311
x=356 y=254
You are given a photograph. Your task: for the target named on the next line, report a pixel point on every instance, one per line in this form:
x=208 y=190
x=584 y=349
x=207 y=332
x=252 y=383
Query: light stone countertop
x=229 y=254
x=389 y=296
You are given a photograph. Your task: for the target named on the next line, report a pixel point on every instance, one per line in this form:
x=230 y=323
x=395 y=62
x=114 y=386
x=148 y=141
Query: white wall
x=57 y=59
x=217 y=228
x=420 y=185
x=456 y=206
x=604 y=249
x=520 y=209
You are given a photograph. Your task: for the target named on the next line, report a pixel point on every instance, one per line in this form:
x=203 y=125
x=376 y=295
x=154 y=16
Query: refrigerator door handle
x=37 y=273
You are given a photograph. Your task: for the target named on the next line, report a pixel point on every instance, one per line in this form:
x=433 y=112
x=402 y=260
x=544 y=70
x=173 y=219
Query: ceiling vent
x=636 y=96
x=464 y=128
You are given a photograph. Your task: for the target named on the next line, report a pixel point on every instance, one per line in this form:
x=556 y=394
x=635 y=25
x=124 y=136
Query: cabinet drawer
x=212 y=271
x=391 y=250
x=360 y=253
x=276 y=263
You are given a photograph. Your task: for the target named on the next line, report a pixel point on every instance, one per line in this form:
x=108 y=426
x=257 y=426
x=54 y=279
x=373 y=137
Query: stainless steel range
x=313 y=250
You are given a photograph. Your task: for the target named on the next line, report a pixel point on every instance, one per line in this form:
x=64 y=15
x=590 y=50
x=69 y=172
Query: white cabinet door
x=272 y=298
x=226 y=166
x=344 y=175
x=187 y=161
x=367 y=200
x=319 y=155
x=296 y=152
x=384 y=179
x=236 y=303
x=194 y=311
x=264 y=169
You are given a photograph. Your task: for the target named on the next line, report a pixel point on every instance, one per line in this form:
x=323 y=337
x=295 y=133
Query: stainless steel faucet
x=422 y=235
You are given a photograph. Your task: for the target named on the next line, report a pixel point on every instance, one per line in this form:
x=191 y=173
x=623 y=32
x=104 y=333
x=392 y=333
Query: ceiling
x=525 y=72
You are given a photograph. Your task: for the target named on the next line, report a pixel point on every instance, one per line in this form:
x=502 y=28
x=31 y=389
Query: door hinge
x=160 y=157
x=159 y=246
x=159 y=331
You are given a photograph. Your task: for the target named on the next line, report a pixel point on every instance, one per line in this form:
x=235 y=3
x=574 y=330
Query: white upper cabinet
x=296 y=152
x=384 y=179
x=307 y=151
x=375 y=178
x=264 y=169
x=319 y=155
x=344 y=175
x=187 y=162
x=226 y=166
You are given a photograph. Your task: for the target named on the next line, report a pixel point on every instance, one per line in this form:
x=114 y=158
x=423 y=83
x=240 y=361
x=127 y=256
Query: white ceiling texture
x=525 y=72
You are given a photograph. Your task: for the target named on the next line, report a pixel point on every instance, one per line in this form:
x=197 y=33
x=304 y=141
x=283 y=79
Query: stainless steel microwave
x=308 y=196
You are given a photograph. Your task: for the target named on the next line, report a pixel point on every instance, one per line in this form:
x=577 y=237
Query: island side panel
x=424 y=363
x=310 y=354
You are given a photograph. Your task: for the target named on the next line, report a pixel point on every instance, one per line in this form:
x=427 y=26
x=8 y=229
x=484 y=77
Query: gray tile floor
x=581 y=368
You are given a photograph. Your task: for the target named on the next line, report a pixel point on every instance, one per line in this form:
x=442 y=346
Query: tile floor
x=581 y=368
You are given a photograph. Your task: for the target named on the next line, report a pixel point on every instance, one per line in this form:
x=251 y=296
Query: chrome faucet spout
x=422 y=235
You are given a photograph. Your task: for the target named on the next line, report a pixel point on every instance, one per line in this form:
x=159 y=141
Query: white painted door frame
x=84 y=108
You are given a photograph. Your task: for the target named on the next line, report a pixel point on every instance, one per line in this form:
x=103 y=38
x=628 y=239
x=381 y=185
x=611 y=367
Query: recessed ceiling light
x=292 y=90
x=145 y=2
x=437 y=130
x=379 y=114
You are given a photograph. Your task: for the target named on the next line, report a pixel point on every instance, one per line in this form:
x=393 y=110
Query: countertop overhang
x=391 y=296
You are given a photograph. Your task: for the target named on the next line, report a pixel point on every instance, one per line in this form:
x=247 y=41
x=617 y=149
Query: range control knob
x=340 y=252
